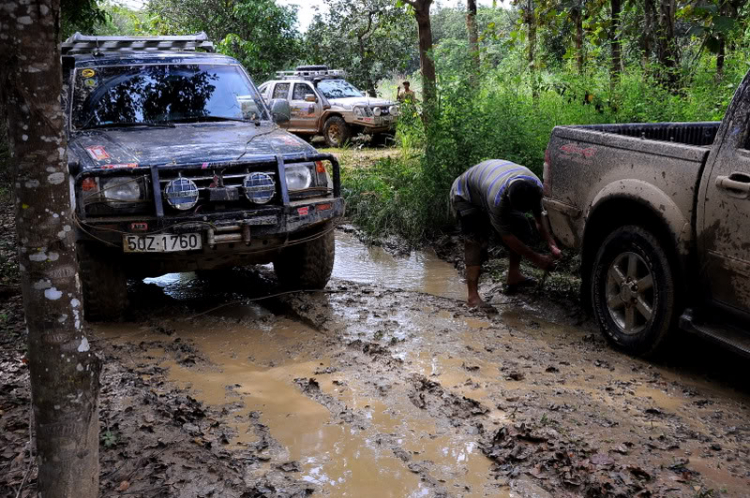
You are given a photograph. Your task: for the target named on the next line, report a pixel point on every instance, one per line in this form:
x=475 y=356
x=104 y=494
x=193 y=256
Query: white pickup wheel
x=336 y=132
x=633 y=292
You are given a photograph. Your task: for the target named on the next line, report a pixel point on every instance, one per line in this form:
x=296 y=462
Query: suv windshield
x=133 y=95
x=338 y=89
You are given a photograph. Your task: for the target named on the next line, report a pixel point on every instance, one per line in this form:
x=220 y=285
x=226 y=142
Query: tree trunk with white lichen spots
x=64 y=371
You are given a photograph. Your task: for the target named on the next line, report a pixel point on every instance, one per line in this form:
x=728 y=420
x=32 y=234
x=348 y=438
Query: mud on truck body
x=661 y=215
x=177 y=164
x=324 y=103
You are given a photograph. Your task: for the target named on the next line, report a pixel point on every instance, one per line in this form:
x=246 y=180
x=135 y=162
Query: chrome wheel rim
x=630 y=293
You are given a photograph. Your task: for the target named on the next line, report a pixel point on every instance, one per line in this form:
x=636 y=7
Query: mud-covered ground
x=386 y=385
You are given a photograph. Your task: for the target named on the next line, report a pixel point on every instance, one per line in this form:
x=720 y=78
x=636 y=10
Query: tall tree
x=666 y=43
x=260 y=33
x=369 y=38
x=64 y=371
x=615 y=41
x=429 y=78
x=473 y=30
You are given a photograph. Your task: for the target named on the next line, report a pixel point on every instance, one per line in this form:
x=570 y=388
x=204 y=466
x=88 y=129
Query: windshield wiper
x=154 y=124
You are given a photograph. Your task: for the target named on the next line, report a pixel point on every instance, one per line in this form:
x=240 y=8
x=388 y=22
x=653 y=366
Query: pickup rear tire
x=336 y=132
x=633 y=291
x=307 y=265
x=103 y=282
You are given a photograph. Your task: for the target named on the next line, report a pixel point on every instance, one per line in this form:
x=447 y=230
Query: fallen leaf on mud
x=124 y=485
x=622 y=449
x=290 y=467
x=602 y=460
x=515 y=375
x=639 y=472
x=654 y=411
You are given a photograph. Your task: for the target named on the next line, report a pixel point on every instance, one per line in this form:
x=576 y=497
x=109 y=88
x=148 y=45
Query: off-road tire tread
x=309 y=265
x=642 y=241
x=103 y=282
x=346 y=131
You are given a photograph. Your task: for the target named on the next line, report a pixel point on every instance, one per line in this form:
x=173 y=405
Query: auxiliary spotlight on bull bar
x=154 y=172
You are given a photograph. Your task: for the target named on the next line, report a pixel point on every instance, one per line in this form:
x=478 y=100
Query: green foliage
x=371 y=39
x=408 y=194
x=80 y=15
x=259 y=33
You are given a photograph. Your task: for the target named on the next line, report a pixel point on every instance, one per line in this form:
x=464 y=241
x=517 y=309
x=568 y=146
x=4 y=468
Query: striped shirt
x=485 y=185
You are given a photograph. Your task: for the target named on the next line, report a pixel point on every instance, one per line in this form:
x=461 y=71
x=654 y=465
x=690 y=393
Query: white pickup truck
x=661 y=215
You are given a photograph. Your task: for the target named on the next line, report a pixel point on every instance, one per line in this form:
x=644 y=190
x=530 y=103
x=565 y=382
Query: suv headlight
x=298 y=176
x=377 y=111
x=118 y=190
x=394 y=110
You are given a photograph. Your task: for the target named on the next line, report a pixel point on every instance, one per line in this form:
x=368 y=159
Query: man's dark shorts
x=476 y=229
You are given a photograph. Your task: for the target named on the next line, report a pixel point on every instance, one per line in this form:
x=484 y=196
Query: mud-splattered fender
x=676 y=218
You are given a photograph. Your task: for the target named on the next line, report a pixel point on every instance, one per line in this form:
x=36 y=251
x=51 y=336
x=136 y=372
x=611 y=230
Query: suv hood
x=183 y=144
x=350 y=102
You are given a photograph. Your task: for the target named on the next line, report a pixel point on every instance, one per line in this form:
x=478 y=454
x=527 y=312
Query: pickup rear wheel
x=633 y=292
x=336 y=132
x=308 y=265
x=104 y=283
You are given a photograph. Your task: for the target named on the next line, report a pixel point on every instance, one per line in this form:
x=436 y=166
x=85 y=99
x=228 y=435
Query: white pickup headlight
x=298 y=176
x=117 y=190
x=377 y=111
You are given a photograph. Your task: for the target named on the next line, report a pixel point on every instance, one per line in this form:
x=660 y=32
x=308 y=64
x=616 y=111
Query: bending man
x=497 y=195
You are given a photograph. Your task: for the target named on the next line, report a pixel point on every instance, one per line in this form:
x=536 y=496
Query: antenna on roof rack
x=83 y=44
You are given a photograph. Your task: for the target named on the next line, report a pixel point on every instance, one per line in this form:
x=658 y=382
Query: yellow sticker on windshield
x=88 y=73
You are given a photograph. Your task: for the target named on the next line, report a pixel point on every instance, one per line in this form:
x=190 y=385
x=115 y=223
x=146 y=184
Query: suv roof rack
x=83 y=44
x=311 y=73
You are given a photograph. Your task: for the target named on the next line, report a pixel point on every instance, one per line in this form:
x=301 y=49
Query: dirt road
x=387 y=386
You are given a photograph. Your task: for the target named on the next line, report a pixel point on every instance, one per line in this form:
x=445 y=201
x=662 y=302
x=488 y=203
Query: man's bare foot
x=478 y=303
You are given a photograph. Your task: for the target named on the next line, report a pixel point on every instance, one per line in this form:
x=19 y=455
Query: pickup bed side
x=596 y=175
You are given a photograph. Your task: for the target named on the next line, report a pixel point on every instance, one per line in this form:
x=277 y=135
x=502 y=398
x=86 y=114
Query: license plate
x=162 y=243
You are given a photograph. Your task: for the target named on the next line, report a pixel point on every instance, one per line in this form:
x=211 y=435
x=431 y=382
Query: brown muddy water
x=388 y=386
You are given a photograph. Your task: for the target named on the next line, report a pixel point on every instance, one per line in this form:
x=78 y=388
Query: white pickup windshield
x=338 y=89
x=131 y=95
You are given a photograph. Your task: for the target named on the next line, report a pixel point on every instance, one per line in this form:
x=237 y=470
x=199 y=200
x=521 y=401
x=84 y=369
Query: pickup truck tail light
x=547 y=172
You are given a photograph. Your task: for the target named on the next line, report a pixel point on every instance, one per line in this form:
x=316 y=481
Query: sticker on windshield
x=97 y=153
x=91 y=83
x=88 y=73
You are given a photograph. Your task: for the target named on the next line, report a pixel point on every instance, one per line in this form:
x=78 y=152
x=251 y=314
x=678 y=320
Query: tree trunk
x=720 y=57
x=614 y=37
x=530 y=19
x=666 y=43
x=64 y=371
x=578 y=20
x=649 y=14
x=427 y=65
x=471 y=27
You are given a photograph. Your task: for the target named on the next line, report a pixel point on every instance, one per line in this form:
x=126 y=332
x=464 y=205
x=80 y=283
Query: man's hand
x=556 y=252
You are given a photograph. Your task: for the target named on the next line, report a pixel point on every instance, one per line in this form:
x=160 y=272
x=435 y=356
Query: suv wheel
x=336 y=132
x=308 y=265
x=104 y=283
x=633 y=292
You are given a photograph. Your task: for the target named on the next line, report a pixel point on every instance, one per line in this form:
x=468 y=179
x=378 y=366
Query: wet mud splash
x=383 y=388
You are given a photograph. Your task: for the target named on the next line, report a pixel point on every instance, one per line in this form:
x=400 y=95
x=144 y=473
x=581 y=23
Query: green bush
x=510 y=115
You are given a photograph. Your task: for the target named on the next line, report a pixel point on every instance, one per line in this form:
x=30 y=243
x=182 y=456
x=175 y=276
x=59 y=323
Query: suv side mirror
x=310 y=97
x=280 y=111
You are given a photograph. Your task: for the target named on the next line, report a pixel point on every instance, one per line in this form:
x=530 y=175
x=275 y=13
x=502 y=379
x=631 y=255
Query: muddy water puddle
x=421 y=271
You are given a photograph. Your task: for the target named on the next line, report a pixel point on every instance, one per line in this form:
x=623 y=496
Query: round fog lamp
x=377 y=111
x=259 y=188
x=182 y=194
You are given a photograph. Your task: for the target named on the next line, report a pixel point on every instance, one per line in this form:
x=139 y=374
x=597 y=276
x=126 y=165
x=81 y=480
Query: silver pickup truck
x=661 y=215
